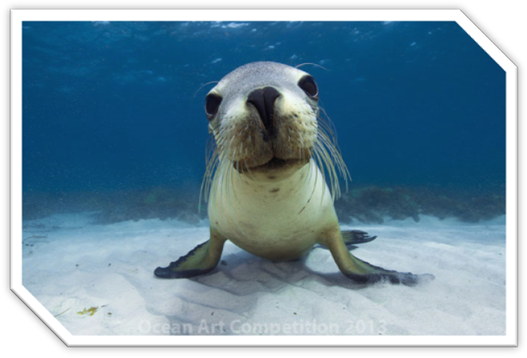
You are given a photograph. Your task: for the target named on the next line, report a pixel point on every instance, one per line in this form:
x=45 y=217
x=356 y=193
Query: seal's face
x=263 y=117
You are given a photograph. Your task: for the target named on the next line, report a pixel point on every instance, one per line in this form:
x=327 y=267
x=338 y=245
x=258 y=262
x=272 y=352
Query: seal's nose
x=263 y=99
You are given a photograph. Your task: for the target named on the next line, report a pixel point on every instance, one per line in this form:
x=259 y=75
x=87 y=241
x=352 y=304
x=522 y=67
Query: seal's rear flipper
x=353 y=237
x=202 y=259
x=363 y=272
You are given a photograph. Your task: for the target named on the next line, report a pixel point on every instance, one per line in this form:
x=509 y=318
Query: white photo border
x=18 y=16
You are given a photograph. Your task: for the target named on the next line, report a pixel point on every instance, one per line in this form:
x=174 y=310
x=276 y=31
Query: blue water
x=116 y=106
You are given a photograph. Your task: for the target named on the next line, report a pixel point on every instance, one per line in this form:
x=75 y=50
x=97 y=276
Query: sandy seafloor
x=72 y=265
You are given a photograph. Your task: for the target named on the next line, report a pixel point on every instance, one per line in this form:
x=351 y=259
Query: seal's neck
x=292 y=172
x=278 y=184
x=237 y=198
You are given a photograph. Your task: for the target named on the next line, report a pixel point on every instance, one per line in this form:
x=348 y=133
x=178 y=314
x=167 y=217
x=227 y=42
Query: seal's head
x=263 y=116
x=265 y=123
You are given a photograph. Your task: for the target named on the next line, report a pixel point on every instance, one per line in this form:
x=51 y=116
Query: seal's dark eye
x=212 y=103
x=309 y=86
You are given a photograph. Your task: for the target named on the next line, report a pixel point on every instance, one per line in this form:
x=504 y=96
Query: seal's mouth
x=272 y=165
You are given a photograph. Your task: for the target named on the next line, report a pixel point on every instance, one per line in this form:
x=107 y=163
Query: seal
x=272 y=176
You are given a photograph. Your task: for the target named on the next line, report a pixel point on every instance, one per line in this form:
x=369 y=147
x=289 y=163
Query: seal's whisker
x=325 y=166
x=203 y=85
x=216 y=185
x=221 y=187
x=225 y=187
x=321 y=167
x=327 y=138
x=213 y=179
x=232 y=191
x=211 y=163
x=300 y=145
x=246 y=166
x=311 y=64
x=328 y=156
x=336 y=157
x=312 y=167
x=326 y=120
x=229 y=186
x=236 y=173
x=311 y=162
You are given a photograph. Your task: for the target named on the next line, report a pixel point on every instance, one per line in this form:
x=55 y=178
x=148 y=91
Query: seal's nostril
x=263 y=99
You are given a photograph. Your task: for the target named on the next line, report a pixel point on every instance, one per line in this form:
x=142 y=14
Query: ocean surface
x=114 y=111
x=114 y=143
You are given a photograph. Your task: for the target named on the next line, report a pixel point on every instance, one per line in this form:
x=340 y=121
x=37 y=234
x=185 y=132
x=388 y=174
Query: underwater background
x=114 y=123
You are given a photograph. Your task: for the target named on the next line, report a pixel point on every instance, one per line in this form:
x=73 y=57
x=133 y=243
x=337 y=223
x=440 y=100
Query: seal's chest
x=275 y=229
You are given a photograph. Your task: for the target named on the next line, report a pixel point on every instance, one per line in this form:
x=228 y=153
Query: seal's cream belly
x=271 y=217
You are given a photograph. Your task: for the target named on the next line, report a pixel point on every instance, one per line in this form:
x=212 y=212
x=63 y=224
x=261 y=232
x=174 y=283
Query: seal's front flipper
x=202 y=259
x=361 y=271
x=353 y=237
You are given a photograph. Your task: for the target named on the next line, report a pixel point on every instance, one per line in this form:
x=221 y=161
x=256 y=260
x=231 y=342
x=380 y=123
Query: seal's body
x=279 y=218
x=270 y=175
